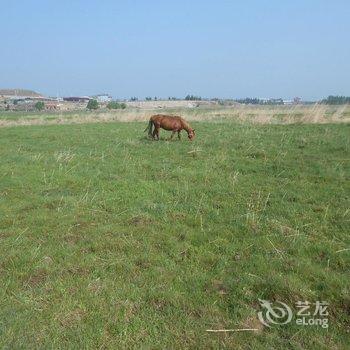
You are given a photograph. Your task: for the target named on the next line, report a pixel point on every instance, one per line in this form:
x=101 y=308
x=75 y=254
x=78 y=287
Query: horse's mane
x=185 y=125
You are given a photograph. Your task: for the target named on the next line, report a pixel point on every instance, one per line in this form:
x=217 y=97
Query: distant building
x=77 y=99
x=263 y=99
x=270 y=101
x=276 y=101
x=102 y=98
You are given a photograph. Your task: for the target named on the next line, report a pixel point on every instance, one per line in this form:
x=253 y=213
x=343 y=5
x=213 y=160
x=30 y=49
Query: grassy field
x=109 y=240
x=258 y=114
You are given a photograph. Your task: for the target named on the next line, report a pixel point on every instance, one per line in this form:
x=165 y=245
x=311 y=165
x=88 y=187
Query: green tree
x=39 y=106
x=92 y=104
x=116 y=105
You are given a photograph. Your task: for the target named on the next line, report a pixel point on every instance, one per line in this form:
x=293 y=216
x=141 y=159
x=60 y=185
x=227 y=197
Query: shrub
x=116 y=105
x=39 y=106
x=92 y=104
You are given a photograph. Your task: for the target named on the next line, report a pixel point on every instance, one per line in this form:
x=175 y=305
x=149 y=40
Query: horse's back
x=157 y=116
x=167 y=122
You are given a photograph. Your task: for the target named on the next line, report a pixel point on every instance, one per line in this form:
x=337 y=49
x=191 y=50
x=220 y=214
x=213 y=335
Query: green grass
x=108 y=240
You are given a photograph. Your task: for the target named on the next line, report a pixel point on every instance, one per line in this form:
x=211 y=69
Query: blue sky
x=217 y=48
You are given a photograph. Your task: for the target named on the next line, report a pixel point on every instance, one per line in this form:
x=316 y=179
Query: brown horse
x=168 y=122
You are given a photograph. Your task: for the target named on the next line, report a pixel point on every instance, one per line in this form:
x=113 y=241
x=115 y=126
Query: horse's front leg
x=172 y=135
x=179 y=134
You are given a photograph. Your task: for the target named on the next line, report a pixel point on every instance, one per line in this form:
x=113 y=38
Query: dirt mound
x=19 y=92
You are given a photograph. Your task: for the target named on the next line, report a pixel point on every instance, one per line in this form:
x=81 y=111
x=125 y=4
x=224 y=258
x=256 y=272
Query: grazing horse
x=168 y=122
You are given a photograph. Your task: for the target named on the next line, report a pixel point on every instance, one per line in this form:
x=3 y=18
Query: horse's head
x=191 y=134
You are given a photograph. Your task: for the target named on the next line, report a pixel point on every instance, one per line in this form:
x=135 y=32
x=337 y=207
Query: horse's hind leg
x=156 y=132
x=172 y=135
x=179 y=135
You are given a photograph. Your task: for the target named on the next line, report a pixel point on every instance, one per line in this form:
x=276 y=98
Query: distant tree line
x=148 y=98
x=171 y=98
x=257 y=101
x=336 y=100
x=93 y=104
x=248 y=100
x=193 y=98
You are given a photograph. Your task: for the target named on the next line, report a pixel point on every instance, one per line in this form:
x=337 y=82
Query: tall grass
x=317 y=113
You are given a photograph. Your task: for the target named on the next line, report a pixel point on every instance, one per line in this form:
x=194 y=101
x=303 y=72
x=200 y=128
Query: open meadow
x=110 y=240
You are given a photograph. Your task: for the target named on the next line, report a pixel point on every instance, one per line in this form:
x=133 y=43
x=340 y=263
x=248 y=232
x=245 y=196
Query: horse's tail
x=149 y=128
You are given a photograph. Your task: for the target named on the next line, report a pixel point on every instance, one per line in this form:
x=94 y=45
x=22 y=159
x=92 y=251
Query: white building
x=103 y=98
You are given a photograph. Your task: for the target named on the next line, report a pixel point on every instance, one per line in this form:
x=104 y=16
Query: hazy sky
x=261 y=48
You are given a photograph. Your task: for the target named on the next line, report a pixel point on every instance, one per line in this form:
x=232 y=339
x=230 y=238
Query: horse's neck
x=185 y=125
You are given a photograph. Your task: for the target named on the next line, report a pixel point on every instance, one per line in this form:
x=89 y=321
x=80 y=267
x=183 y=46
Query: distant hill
x=19 y=92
